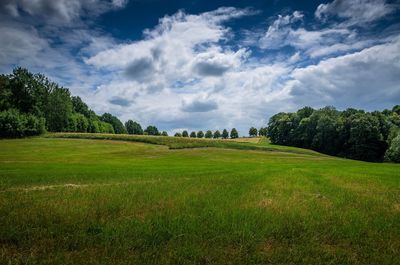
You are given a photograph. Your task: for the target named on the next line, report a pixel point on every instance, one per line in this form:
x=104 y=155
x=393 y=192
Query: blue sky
x=209 y=64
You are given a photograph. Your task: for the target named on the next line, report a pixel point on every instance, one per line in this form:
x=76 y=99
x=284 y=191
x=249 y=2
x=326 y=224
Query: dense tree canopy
x=351 y=133
x=185 y=134
x=36 y=104
x=262 y=131
x=208 y=134
x=151 y=130
x=118 y=126
x=193 y=135
x=133 y=127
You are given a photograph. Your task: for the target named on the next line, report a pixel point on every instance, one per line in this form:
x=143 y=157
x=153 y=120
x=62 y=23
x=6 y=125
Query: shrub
x=15 y=124
x=393 y=152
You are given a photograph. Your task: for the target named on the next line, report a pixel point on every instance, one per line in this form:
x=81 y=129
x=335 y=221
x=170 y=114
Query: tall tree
x=209 y=134
x=118 y=126
x=185 y=133
x=200 y=134
x=133 y=127
x=234 y=133
x=58 y=109
x=152 y=130
x=193 y=135
x=217 y=134
x=252 y=132
x=80 y=107
x=225 y=134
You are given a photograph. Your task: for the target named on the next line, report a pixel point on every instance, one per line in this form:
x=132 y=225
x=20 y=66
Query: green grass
x=260 y=144
x=101 y=201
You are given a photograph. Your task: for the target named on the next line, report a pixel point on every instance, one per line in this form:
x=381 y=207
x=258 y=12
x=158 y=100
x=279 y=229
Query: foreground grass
x=86 y=201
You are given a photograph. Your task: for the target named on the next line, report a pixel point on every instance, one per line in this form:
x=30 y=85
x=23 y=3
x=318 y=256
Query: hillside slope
x=90 y=201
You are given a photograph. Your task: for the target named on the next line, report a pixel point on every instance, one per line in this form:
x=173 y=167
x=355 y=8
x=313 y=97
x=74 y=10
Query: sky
x=198 y=64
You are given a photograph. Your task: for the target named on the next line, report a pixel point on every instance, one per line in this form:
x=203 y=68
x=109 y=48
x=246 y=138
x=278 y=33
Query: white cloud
x=356 y=12
x=184 y=73
x=332 y=39
x=59 y=11
x=366 y=79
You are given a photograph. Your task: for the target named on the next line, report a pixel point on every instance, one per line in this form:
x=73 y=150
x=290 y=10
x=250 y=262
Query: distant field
x=254 y=140
x=120 y=200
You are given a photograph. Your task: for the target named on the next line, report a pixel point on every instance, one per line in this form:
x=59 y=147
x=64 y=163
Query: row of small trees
x=261 y=132
x=209 y=134
x=133 y=127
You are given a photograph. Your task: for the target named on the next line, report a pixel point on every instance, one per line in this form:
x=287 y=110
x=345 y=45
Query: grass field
x=124 y=201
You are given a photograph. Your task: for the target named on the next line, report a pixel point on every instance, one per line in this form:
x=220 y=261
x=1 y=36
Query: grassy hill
x=118 y=199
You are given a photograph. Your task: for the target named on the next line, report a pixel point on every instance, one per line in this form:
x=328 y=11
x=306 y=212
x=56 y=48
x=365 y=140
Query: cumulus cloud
x=333 y=39
x=188 y=73
x=366 y=79
x=181 y=48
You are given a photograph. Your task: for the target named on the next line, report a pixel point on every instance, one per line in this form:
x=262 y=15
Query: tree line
x=209 y=134
x=352 y=133
x=31 y=104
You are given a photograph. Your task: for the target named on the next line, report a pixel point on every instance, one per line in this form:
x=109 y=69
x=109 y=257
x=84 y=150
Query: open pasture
x=104 y=201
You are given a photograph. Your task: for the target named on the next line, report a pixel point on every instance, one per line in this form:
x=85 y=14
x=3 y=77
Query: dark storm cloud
x=199 y=106
x=140 y=69
x=120 y=101
x=210 y=69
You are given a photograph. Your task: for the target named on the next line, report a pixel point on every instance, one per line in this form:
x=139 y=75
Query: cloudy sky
x=198 y=64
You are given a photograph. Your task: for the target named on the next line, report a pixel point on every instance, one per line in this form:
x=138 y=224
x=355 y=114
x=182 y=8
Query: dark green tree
x=234 y=133
x=252 y=132
x=262 y=131
x=133 y=127
x=193 y=135
x=217 y=134
x=118 y=126
x=80 y=107
x=200 y=134
x=164 y=133
x=178 y=134
x=225 y=134
x=209 y=134
x=185 y=133
x=151 y=130
x=58 y=109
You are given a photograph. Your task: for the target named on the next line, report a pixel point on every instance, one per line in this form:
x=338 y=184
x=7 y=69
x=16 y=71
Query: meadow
x=119 y=199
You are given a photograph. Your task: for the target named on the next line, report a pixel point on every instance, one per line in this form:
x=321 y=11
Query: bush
x=15 y=124
x=105 y=127
x=393 y=152
x=93 y=126
x=82 y=123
